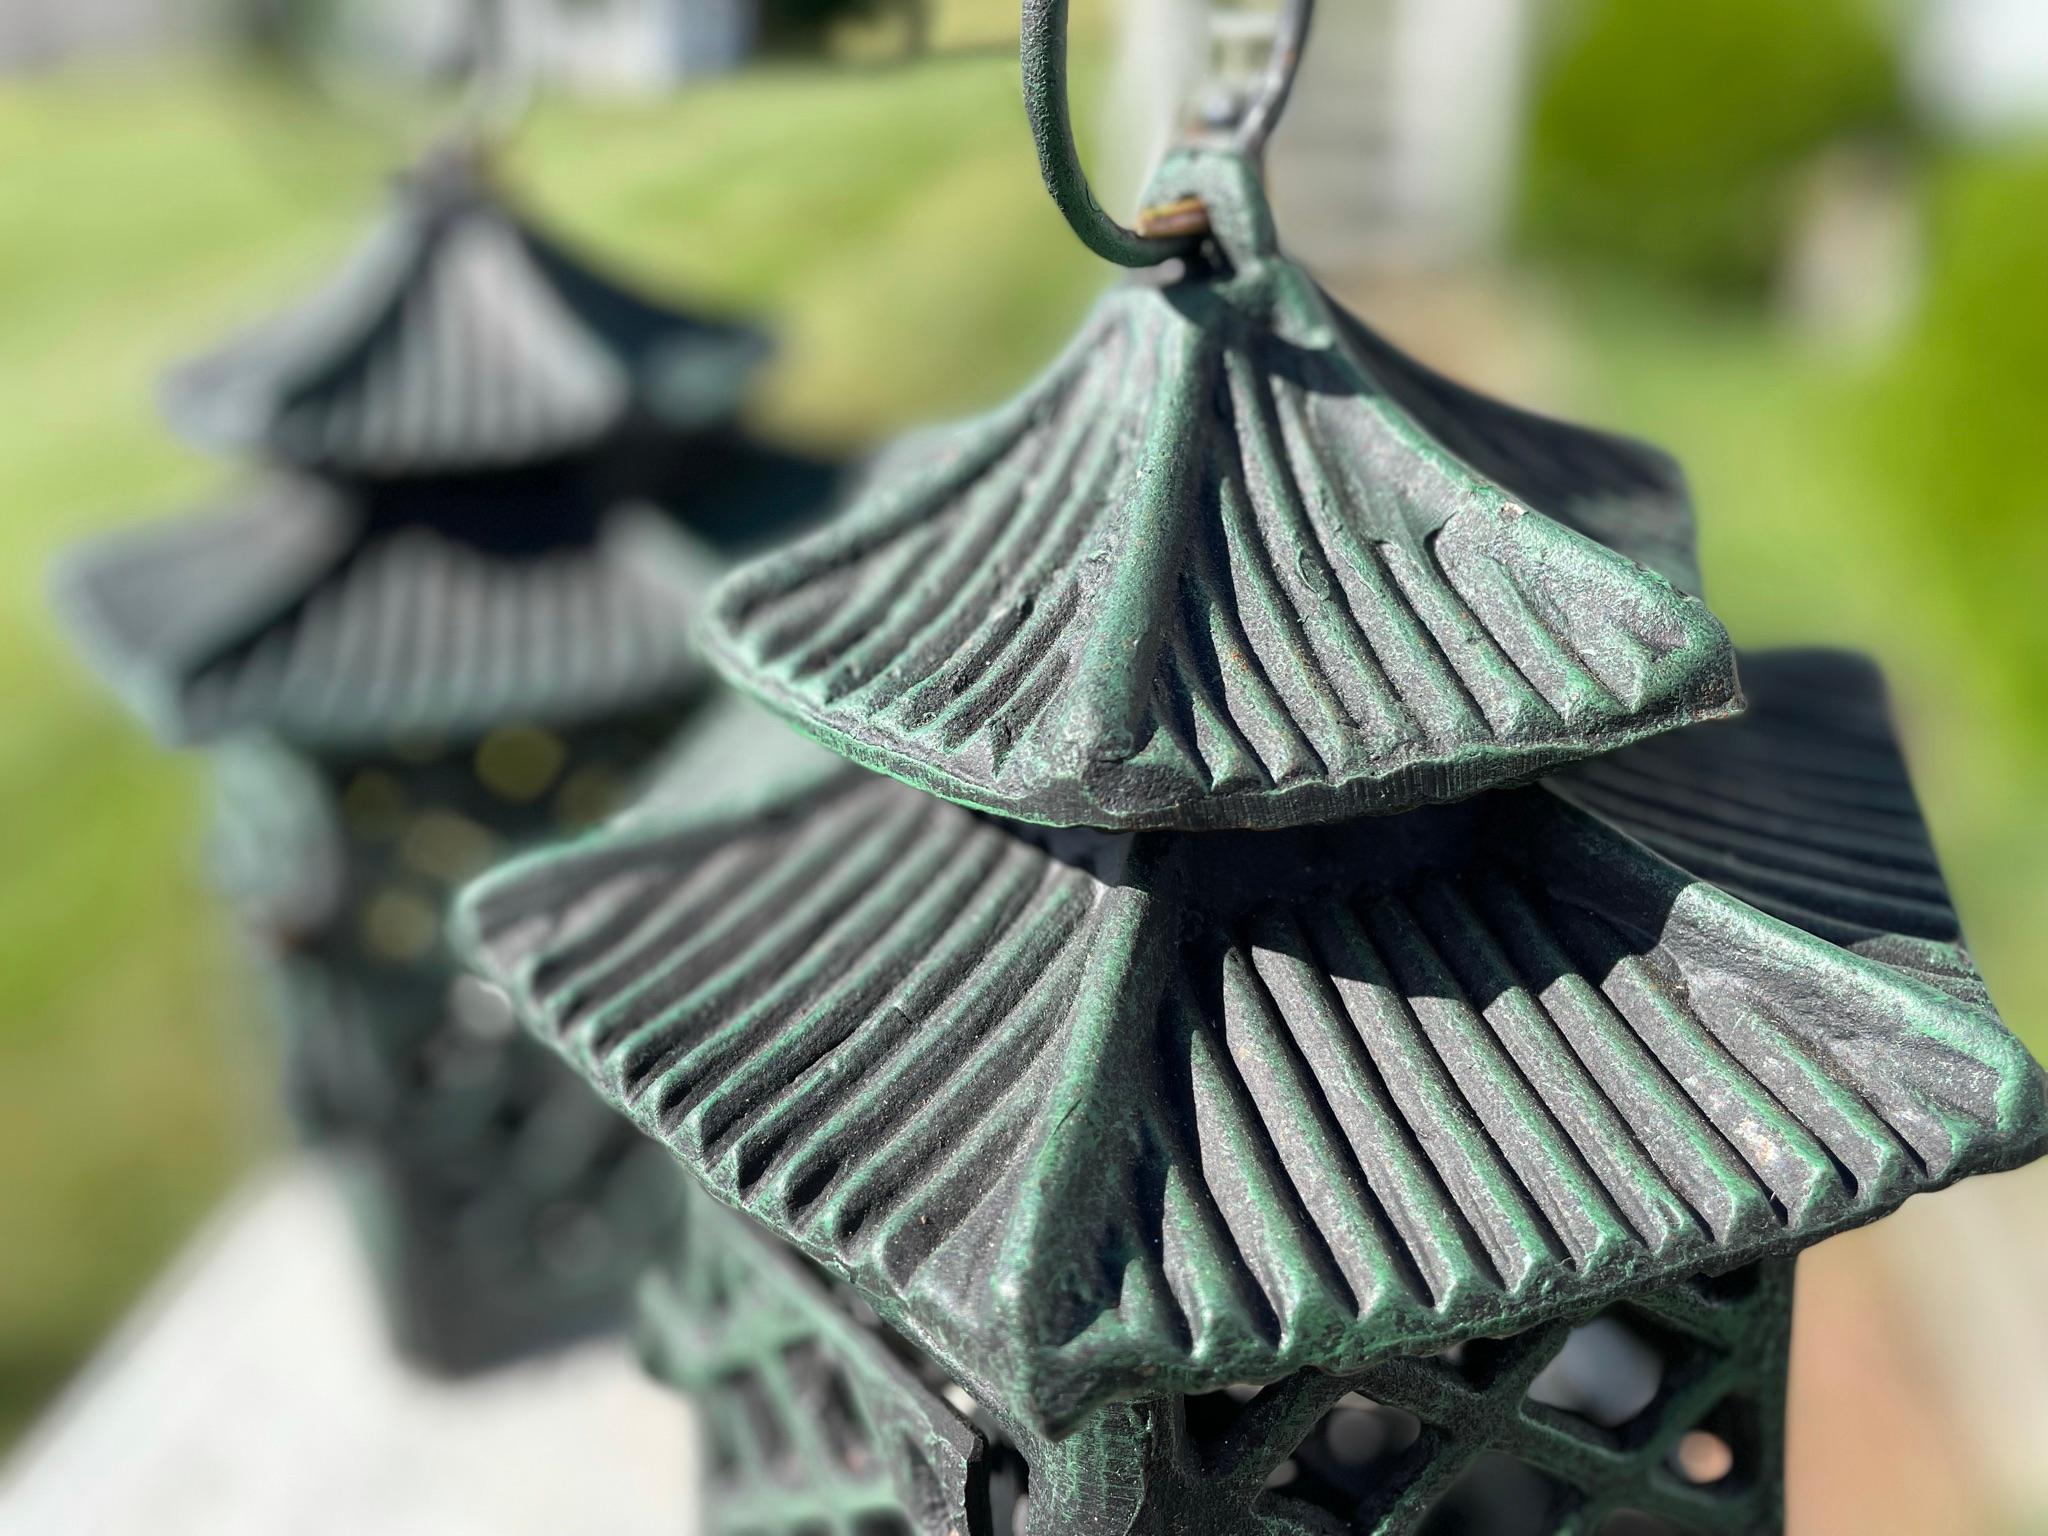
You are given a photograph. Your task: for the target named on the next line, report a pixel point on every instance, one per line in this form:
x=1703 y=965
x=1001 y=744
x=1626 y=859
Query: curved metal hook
x=1263 y=116
x=1044 y=53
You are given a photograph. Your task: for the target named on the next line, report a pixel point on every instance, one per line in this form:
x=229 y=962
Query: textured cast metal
x=1235 y=562
x=502 y=487
x=809 y=1422
x=817 y=1419
x=1483 y=1439
x=505 y=1206
x=1043 y=51
x=300 y=612
x=1237 y=1096
x=1106 y=1118
x=459 y=339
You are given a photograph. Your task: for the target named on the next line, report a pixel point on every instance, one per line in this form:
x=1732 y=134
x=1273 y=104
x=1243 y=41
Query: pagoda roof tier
x=301 y=613
x=459 y=338
x=1103 y=1118
x=1234 y=561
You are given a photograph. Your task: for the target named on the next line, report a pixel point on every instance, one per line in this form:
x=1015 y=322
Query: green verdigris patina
x=1180 y=1109
x=1235 y=562
x=1198 y=1085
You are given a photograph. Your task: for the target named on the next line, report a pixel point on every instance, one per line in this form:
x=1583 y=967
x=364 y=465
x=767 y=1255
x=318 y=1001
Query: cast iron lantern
x=1184 y=1077
x=450 y=621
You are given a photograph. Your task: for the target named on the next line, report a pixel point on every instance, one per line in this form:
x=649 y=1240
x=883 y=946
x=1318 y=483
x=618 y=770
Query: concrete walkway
x=252 y=1393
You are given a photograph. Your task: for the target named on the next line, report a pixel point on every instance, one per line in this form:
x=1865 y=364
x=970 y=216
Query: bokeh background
x=1805 y=246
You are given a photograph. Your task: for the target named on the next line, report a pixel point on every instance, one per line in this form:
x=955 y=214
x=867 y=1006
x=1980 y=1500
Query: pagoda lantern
x=1312 y=991
x=448 y=619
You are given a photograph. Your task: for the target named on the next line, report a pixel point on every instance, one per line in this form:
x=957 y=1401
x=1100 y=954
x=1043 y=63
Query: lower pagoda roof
x=296 y=613
x=1102 y=1118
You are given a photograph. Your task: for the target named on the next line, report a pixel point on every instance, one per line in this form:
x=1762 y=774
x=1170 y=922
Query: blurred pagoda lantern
x=1198 y=1084
x=450 y=621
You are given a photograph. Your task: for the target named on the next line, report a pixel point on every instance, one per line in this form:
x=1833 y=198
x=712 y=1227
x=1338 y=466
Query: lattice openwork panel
x=812 y=1425
x=1656 y=1418
x=341 y=868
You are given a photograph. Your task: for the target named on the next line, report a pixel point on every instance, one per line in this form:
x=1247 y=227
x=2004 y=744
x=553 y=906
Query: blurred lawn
x=892 y=222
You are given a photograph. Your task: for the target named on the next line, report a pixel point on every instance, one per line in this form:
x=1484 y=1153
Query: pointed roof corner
x=1123 y=1116
x=458 y=338
x=1236 y=562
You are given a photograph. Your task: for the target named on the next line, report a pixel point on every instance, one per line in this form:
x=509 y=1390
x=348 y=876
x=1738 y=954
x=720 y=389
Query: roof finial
x=499 y=88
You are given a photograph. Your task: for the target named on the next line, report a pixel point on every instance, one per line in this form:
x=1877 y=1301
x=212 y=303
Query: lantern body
x=1660 y=1414
x=503 y=1205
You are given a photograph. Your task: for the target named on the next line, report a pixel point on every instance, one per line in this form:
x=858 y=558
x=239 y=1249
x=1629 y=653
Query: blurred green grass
x=891 y=222
x=890 y=218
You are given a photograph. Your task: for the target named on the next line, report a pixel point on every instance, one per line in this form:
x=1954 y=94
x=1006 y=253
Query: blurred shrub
x=1956 y=423
x=1667 y=132
x=801 y=26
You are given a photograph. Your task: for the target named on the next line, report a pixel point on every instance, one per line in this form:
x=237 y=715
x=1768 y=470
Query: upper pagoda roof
x=1101 y=1118
x=1234 y=561
x=298 y=612
x=459 y=338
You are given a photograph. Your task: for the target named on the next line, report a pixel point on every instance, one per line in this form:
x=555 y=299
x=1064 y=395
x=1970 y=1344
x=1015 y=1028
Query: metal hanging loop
x=1163 y=233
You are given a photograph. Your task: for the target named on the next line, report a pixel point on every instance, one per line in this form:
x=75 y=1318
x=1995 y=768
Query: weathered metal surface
x=1806 y=812
x=1661 y=1414
x=1170 y=226
x=809 y=1421
x=1236 y=563
x=277 y=852
x=1224 y=1054
x=302 y=614
x=1108 y=1118
x=460 y=338
x=1235 y=1094
x=505 y=1206
x=1207 y=1054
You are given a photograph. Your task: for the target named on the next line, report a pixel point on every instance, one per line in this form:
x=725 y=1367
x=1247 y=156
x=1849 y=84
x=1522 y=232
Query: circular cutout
x=1703 y=1457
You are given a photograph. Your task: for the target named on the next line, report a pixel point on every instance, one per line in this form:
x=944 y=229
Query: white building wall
x=1981 y=66
x=603 y=47
x=35 y=34
x=629 y=46
x=1401 y=144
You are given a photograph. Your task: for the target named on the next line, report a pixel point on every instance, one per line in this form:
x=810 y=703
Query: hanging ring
x=1162 y=233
